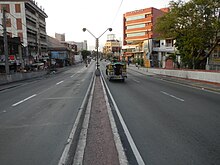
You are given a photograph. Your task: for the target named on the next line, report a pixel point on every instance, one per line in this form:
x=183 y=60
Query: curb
x=71 y=145
x=178 y=80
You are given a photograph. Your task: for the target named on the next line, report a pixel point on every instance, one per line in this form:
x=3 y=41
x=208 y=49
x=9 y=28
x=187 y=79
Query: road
x=170 y=124
x=36 y=117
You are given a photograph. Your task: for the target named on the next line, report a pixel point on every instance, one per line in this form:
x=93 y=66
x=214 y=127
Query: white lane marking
x=172 y=96
x=65 y=155
x=4 y=111
x=193 y=87
x=59 y=82
x=80 y=150
x=80 y=71
x=121 y=153
x=136 y=81
x=24 y=100
x=127 y=133
x=73 y=75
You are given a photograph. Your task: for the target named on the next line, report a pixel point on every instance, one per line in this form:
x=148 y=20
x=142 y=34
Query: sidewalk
x=190 y=82
x=26 y=76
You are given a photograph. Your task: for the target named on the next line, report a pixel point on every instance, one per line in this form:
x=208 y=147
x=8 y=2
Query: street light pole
x=97 y=46
x=97 y=55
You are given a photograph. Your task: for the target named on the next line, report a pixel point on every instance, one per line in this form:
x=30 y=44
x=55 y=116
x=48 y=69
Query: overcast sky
x=70 y=16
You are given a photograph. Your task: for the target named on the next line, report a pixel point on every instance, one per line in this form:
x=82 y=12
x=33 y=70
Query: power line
x=117 y=12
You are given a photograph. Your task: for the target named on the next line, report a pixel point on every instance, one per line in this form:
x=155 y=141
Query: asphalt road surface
x=170 y=124
x=36 y=116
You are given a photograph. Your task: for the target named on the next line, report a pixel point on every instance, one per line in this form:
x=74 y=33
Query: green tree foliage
x=196 y=27
x=85 y=53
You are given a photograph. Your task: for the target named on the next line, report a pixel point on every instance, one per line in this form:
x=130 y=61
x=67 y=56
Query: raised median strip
x=99 y=141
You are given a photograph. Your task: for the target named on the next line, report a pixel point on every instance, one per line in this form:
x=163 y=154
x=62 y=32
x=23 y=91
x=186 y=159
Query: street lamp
x=97 y=44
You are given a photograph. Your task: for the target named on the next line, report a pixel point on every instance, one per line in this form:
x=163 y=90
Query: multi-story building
x=213 y=62
x=112 y=47
x=80 y=45
x=27 y=21
x=60 y=37
x=139 y=33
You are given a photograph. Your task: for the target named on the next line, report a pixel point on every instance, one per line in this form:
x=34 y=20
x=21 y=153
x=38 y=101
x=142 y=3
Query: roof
x=117 y=63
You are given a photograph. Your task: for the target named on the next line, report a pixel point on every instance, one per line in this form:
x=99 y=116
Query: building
x=61 y=53
x=80 y=45
x=60 y=37
x=27 y=21
x=214 y=59
x=112 y=47
x=139 y=34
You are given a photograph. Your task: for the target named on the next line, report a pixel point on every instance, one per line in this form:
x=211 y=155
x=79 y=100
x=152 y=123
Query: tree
x=85 y=53
x=196 y=26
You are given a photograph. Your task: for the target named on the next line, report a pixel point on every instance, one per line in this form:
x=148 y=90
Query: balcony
x=169 y=49
x=31 y=40
x=30 y=16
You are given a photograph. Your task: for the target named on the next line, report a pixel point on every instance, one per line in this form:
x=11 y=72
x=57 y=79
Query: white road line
x=59 y=82
x=80 y=71
x=172 y=96
x=127 y=133
x=136 y=81
x=24 y=100
x=121 y=153
x=73 y=75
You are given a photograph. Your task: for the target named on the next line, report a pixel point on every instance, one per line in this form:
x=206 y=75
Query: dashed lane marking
x=172 y=96
x=24 y=100
x=59 y=82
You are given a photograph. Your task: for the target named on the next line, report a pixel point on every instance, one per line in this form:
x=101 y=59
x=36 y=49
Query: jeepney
x=116 y=71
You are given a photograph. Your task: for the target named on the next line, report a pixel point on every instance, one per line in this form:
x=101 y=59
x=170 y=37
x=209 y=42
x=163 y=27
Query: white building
x=27 y=21
x=80 y=45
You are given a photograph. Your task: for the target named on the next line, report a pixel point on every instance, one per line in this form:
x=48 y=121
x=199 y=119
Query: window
x=6 y=6
x=136 y=26
x=19 y=23
x=136 y=34
x=20 y=34
x=17 y=8
x=169 y=43
x=8 y=22
x=135 y=17
x=9 y=34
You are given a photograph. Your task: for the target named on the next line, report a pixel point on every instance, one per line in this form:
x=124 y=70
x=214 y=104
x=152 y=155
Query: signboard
x=10 y=58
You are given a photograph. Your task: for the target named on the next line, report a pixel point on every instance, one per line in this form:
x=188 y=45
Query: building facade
x=60 y=37
x=139 y=34
x=61 y=53
x=80 y=45
x=112 y=47
x=27 y=21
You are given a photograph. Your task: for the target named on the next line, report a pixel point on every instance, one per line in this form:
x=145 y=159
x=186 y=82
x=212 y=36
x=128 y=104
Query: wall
x=190 y=74
x=20 y=76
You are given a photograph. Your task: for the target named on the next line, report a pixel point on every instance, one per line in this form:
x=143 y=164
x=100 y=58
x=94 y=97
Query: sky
x=71 y=16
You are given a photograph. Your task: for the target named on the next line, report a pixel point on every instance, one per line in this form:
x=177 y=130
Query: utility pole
x=5 y=43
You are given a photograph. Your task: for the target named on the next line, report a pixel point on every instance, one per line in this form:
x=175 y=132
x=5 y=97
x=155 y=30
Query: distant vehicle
x=37 y=66
x=116 y=71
